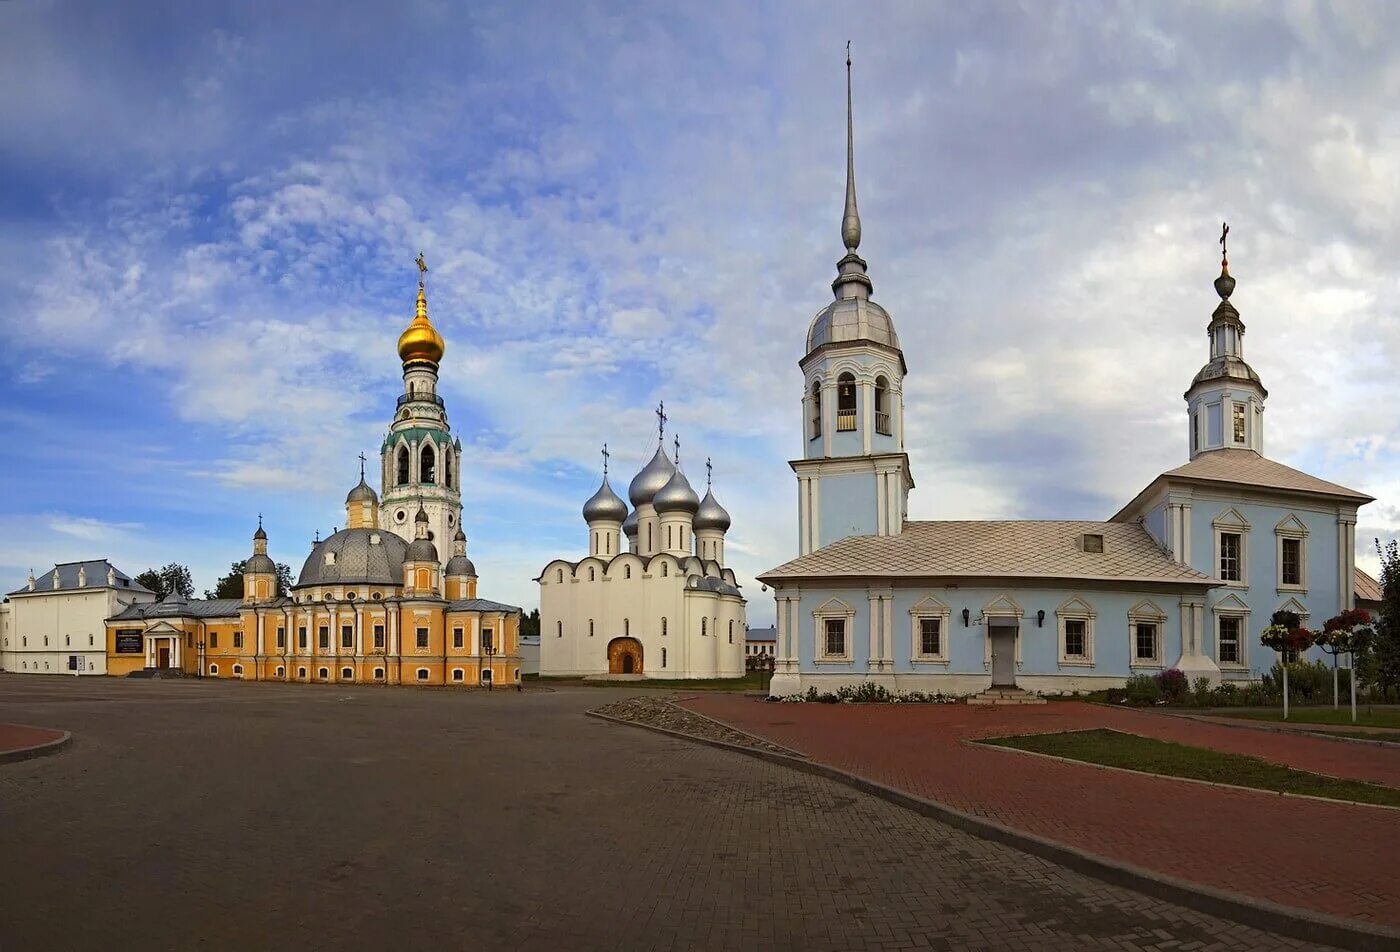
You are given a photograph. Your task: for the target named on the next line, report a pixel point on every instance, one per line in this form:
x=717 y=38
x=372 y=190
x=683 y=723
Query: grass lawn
x=1148 y=755
x=753 y=681
x=1365 y=716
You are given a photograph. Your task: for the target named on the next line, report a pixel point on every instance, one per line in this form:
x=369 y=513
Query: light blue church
x=1184 y=576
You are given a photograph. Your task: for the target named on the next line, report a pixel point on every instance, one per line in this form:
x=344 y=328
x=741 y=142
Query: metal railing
x=845 y=421
x=418 y=398
x=882 y=423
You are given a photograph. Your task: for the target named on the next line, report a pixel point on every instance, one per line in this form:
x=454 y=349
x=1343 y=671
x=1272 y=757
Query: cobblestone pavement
x=265 y=816
x=1327 y=857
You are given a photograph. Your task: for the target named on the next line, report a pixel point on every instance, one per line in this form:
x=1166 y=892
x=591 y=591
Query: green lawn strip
x=1164 y=758
x=1365 y=717
x=753 y=682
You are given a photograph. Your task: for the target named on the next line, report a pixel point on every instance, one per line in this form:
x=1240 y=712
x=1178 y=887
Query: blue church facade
x=1185 y=576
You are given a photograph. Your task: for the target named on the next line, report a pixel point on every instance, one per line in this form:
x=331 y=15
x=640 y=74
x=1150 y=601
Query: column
x=816 y=521
x=897 y=404
x=876 y=616
x=886 y=642
x=828 y=414
x=780 y=603
x=867 y=414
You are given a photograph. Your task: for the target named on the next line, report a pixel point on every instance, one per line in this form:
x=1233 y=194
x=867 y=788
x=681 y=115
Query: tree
x=231 y=585
x=1348 y=633
x=530 y=624
x=1383 y=669
x=1287 y=636
x=173 y=577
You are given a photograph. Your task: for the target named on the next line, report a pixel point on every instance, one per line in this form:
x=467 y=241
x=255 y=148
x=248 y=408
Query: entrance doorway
x=163 y=656
x=1003 y=655
x=624 y=656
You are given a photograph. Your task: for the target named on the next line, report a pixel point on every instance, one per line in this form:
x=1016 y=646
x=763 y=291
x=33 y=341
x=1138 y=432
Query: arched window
x=664 y=570
x=281 y=672
x=447 y=468
x=816 y=407
x=704 y=626
x=627 y=571
x=214 y=670
x=402 y=474
x=626 y=627
x=663 y=627
x=427 y=465
x=323 y=673
x=561 y=575
x=846 y=402
x=590 y=628
x=882 y=406
x=559 y=629
x=731 y=631
x=663 y=657
x=592 y=574
x=347 y=674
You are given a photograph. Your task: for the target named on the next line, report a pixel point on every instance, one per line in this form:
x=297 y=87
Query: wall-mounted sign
x=129 y=641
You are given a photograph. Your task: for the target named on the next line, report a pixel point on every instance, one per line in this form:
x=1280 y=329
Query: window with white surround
x=835 y=624
x=1231 y=548
x=929 y=629
x=1291 y=550
x=1146 y=625
x=347 y=674
x=1076 y=624
x=1231 y=633
x=422 y=674
x=1237 y=426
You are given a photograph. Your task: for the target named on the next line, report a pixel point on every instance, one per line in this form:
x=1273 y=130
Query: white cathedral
x=667 y=607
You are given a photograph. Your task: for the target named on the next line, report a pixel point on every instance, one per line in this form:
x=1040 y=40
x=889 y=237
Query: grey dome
x=260 y=534
x=174 y=598
x=459 y=565
x=654 y=475
x=362 y=493
x=629 y=525
x=851 y=319
x=676 y=496
x=420 y=550
x=459 y=535
x=604 y=506
x=711 y=515
x=422 y=515
x=260 y=564
x=360 y=556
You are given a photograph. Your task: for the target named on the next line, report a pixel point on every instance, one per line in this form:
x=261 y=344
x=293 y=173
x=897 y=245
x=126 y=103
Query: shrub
x=1309 y=682
x=1173 y=686
x=1143 y=689
x=1201 y=692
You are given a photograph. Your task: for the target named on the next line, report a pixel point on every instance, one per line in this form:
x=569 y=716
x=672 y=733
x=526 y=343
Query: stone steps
x=1006 y=696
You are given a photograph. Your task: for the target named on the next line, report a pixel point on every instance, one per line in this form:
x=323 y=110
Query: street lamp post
x=488 y=648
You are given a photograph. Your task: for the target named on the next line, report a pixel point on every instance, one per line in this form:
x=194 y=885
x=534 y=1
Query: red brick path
x=18 y=736
x=1327 y=857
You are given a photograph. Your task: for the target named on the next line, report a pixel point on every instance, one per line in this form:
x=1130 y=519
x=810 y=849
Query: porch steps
x=1000 y=696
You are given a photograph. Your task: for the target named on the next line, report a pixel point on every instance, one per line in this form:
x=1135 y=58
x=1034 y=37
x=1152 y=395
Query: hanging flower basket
x=1284 y=639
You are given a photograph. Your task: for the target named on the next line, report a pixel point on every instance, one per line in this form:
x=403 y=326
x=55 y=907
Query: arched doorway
x=624 y=656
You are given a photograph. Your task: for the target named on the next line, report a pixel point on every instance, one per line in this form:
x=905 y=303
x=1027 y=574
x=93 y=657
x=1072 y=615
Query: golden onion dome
x=420 y=340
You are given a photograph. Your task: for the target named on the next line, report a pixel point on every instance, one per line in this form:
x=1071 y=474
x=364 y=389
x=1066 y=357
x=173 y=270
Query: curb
x=1246 y=724
x=36 y=750
x=1256 y=913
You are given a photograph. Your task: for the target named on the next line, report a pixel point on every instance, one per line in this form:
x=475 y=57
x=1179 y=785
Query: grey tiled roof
x=480 y=605
x=1030 y=549
x=1249 y=468
x=762 y=634
x=358 y=559
x=96 y=578
x=193 y=608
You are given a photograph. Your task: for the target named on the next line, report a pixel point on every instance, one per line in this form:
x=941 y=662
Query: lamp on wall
x=966 y=615
x=1040 y=618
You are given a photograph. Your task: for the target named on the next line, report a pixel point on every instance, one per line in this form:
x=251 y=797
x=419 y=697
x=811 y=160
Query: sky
x=209 y=214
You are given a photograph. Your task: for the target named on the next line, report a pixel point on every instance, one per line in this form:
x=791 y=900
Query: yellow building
x=374 y=601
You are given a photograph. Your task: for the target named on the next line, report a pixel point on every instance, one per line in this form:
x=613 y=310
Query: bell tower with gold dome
x=419 y=457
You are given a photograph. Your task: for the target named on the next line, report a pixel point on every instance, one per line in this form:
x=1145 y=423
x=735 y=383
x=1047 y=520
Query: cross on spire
x=363 y=459
x=422 y=268
x=1224 y=233
x=709 y=473
x=606 y=457
x=259 y=520
x=678 y=450
x=661 y=421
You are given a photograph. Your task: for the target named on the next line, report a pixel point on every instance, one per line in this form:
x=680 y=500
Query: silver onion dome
x=676 y=496
x=649 y=482
x=459 y=565
x=629 y=525
x=711 y=515
x=420 y=550
x=362 y=493
x=604 y=506
x=259 y=565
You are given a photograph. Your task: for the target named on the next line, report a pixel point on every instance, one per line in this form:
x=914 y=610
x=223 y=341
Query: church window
x=649 y=543
x=668 y=538
x=447 y=472
x=281 y=637
x=379 y=636
x=456 y=674
x=1238 y=414
x=347 y=636
x=90 y=641
x=323 y=673
x=1145 y=642
x=559 y=629
x=378 y=674
x=590 y=628
x=402 y=474
x=238 y=639
x=627 y=571
x=488 y=641
x=663 y=657
x=1228 y=639
x=930 y=637
x=67 y=641
x=561 y=575
x=663 y=627
x=422 y=674
x=845 y=403
x=1075 y=646
x=1230 y=557
x=238 y=671
x=731 y=631
x=816 y=408
x=323 y=636
x=592 y=574
x=422 y=642
x=485 y=675
x=301 y=672
x=213 y=639
x=281 y=672
x=664 y=566
x=835 y=638
x=882 y=406
x=626 y=627
x=301 y=637
x=704 y=626
x=347 y=674
x=213 y=670
x=457 y=637
x=427 y=465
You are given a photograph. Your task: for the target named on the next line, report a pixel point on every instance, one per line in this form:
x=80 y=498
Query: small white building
x=665 y=608
x=57 y=622
x=760 y=646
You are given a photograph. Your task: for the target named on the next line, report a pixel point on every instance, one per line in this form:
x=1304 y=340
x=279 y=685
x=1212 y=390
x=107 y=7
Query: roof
x=95 y=575
x=481 y=605
x=1367 y=588
x=193 y=608
x=1029 y=549
x=1247 y=468
x=762 y=634
x=373 y=556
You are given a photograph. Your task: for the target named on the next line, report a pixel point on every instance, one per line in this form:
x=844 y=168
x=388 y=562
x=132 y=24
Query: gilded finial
x=421 y=341
x=850 y=222
x=422 y=267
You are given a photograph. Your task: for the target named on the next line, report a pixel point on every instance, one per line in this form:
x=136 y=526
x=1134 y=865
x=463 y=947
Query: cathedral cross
x=422 y=268
x=606 y=457
x=363 y=459
x=709 y=472
x=661 y=420
x=1224 y=233
x=678 y=449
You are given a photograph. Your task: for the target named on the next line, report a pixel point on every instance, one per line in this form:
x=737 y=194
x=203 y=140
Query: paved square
x=268 y=816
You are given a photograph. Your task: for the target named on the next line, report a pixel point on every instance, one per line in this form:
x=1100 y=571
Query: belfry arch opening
x=882 y=406
x=401 y=467
x=846 y=402
x=427 y=465
x=816 y=410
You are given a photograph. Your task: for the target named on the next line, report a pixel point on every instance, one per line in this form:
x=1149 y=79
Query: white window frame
x=422 y=674
x=1232 y=523
x=1241 y=410
x=1232 y=608
x=932 y=609
x=1146 y=612
x=1076 y=609
x=832 y=609
x=1291 y=528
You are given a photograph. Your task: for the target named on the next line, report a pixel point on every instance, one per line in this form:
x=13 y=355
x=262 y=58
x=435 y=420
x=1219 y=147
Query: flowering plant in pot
x=1286 y=635
x=1349 y=633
